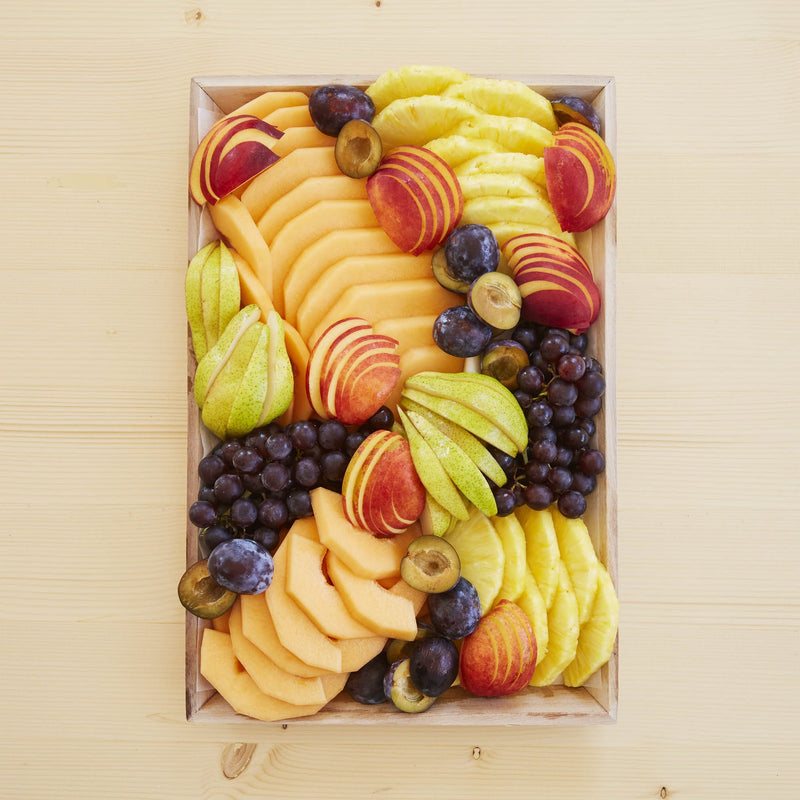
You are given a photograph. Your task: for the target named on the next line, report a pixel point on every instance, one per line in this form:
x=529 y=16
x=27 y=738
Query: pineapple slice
x=531 y=602
x=577 y=552
x=512 y=538
x=499 y=184
x=518 y=134
x=481 y=553
x=457 y=150
x=597 y=636
x=505 y=98
x=541 y=548
x=532 y=210
x=412 y=81
x=417 y=120
x=563 y=630
x=531 y=167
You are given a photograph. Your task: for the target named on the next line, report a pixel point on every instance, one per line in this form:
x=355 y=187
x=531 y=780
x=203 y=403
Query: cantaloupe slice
x=222 y=623
x=268 y=676
x=409 y=332
x=384 y=300
x=301 y=137
x=308 y=586
x=313 y=262
x=232 y=219
x=285 y=174
x=298 y=355
x=366 y=555
x=258 y=627
x=383 y=612
x=297 y=116
x=297 y=632
x=252 y=290
x=321 y=218
x=354 y=270
x=220 y=667
x=268 y=102
x=303 y=196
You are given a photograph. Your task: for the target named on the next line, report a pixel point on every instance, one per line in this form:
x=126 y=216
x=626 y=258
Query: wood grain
x=92 y=398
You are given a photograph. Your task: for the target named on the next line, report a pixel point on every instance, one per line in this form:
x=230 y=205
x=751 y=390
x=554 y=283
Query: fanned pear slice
x=486 y=397
x=512 y=537
x=431 y=472
x=517 y=134
x=531 y=602
x=280 y=378
x=598 y=635
x=462 y=470
x=194 y=301
x=470 y=444
x=416 y=120
x=481 y=554
x=505 y=98
x=457 y=150
x=563 y=630
x=462 y=415
x=541 y=550
x=435 y=519
x=577 y=553
x=249 y=401
x=411 y=81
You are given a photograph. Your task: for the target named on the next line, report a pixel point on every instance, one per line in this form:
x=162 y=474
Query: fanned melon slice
x=409 y=332
x=258 y=627
x=301 y=137
x=298 y=355
x=321 y=218
x=307 y=585
x=366 y=555
x=219 y=666
x=355 y=270
x=252 y=290
x=303 y=196
x=285 y=174
x=268 y=676
x=297 y=116
x=232 y=219
x=271 y=100
x=379 y=609
x=312 y=263
x=384 y=300
x=296 y=631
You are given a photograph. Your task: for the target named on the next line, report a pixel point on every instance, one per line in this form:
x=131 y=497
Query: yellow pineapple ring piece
x=411 y=81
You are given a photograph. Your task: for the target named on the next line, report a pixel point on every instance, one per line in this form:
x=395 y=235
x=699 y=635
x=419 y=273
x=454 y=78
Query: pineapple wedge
x=577 y=552
x=417 y=120
x=531 y=602
x=412 y=81
x=597 y=636
x=481 y=553
x=512 y=538
x=541 y=548
x=563 y=629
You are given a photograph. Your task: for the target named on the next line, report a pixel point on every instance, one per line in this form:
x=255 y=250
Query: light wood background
x=93 y=161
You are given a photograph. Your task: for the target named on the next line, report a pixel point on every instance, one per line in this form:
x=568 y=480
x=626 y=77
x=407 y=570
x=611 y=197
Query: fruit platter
x=401 y=489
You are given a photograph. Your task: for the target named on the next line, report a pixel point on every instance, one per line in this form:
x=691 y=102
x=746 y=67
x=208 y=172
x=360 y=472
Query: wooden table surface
x=93 y=158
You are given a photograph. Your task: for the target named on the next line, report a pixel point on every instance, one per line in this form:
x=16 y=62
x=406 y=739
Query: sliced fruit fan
x=390 y=332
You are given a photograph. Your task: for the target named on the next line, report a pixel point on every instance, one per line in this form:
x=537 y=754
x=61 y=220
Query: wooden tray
x=596 y=702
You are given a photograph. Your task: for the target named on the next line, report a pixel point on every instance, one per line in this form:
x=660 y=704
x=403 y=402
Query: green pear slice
x=225 y=389
x=194 y=306
x=280 y=380
x=499 y=407
x=435 y=520
x=214 y=360
x=209 y=297
x=431 y=472
x=470 y=444
x=246 y=409
x=230 y=292
x=462 y=415
x=457 y=464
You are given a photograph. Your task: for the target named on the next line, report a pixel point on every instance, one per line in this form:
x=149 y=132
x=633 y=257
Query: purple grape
x=273 y=513
x=276 y=476
x=592 y=462
x=307 y=472
x=331 y=434
x=279 y=446
x=247 y=460
x=227 y=488
x=202 y=514
x=572 y=504
x=538 y=496
x=243 y=513
x=210 y=468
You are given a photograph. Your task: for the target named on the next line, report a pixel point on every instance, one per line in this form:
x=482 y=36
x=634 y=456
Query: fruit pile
x=392 y=350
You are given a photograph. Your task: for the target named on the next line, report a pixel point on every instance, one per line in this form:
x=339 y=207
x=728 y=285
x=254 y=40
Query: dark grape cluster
x=255 y=486
x=561 y=392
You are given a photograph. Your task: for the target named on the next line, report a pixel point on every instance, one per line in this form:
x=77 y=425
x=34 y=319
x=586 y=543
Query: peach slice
x=581 y=177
